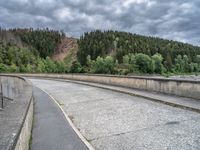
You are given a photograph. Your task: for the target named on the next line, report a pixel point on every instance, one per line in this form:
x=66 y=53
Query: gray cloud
x=172 y=19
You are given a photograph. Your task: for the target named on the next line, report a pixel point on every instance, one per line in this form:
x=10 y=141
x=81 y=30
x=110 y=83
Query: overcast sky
x=171 y=19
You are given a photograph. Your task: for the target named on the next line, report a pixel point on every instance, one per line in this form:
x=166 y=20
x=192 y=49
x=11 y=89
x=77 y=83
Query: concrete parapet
x=16 y=117
x=180 y=87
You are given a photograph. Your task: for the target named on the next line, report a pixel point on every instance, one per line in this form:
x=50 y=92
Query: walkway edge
x=139 y=95
x=83 y=139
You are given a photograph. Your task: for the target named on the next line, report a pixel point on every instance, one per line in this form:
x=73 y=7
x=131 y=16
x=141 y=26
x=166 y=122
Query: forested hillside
x=44 y=41
x=125 y=47
x=109 y=52
x=28 y=50
x=118 y=44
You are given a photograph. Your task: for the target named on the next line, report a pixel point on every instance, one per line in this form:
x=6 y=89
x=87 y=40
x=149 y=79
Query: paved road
x=114 y=121
x=51 y=130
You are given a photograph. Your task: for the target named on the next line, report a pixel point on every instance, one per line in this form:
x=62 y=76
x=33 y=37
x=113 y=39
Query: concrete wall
x=22 y=142
x=16 y=118
x=186 y=88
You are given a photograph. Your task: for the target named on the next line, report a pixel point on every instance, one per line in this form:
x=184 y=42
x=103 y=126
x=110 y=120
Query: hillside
x=27 y=50
x=45 y=41
x=7 y=37
x=122 y=52
x=118 y=44
x=66 y=50
x=112 y=52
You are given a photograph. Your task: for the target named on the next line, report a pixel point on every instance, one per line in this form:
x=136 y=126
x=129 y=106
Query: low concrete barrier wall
x=16 y=117
x=180 y=87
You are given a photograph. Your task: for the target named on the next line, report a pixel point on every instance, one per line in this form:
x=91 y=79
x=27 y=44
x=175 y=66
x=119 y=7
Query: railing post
x=2 y=96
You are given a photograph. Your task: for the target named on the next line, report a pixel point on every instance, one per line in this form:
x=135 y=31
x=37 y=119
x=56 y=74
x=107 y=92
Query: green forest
x=28 y=50
x=106 y=52
x=132 y=53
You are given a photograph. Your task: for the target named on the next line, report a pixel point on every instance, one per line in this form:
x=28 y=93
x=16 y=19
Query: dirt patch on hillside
x=66 y=45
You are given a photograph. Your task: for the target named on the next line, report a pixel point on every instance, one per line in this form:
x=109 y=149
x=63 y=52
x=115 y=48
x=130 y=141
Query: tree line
x=15 y=59
x=117 y=44
x=27 y=50
x=45 y=41
x=138 y=63
x=106 y=52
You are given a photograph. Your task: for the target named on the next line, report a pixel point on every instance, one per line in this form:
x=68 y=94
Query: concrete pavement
x=112 y=120
x=172 y=100
x=51 y=131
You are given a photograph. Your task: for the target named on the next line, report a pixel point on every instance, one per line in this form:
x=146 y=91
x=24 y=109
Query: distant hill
x=45 y=41
x=45 y=50
x=26 y=50
x=117 y=44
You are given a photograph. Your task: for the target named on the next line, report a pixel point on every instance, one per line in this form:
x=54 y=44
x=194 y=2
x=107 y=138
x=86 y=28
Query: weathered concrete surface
x=181 y=87
x=22 y=142
x=16 y=118
x=51 y=131
x=172 y=100
x=111 y=120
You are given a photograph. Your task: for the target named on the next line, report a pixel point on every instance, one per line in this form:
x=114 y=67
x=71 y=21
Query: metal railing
x=8 y=90
x=3 y=98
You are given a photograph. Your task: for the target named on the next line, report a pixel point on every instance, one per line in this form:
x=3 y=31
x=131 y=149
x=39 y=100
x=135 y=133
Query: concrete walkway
x=172 y=100
x=51 y=131
x=112 y=120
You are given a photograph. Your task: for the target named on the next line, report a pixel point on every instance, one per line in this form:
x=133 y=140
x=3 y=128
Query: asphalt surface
x=115 y=121
x=51 y=130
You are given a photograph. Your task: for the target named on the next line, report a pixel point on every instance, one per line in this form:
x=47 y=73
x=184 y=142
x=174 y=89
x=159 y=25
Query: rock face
x=64 y=47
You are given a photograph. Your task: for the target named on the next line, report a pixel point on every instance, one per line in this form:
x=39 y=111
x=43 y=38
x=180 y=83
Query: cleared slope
x=65 y=48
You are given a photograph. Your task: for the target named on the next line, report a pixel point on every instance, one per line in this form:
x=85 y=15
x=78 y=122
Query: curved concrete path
x=115 y=121
x=51 y=131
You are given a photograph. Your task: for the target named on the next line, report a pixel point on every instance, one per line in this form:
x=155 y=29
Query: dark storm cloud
x=172 y=19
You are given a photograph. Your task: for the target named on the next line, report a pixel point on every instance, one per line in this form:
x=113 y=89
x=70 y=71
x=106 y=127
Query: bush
x=104 y=65
x=60 y=67
x=13 y=68
x=41 y=68
x=98 y=65
x=158 y=59
x=76 y=67
x=22 y=69
x=50 y=66
x=3 y=68
x=144 y=63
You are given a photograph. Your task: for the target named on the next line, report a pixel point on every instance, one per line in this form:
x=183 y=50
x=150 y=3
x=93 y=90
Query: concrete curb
x=89 y=146
x=22 y=142
x=24 y=135
x=23 y=130
x=129 y=93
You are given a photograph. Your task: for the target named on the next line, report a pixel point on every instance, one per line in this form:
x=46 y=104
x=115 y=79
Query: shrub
x=144 y=63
